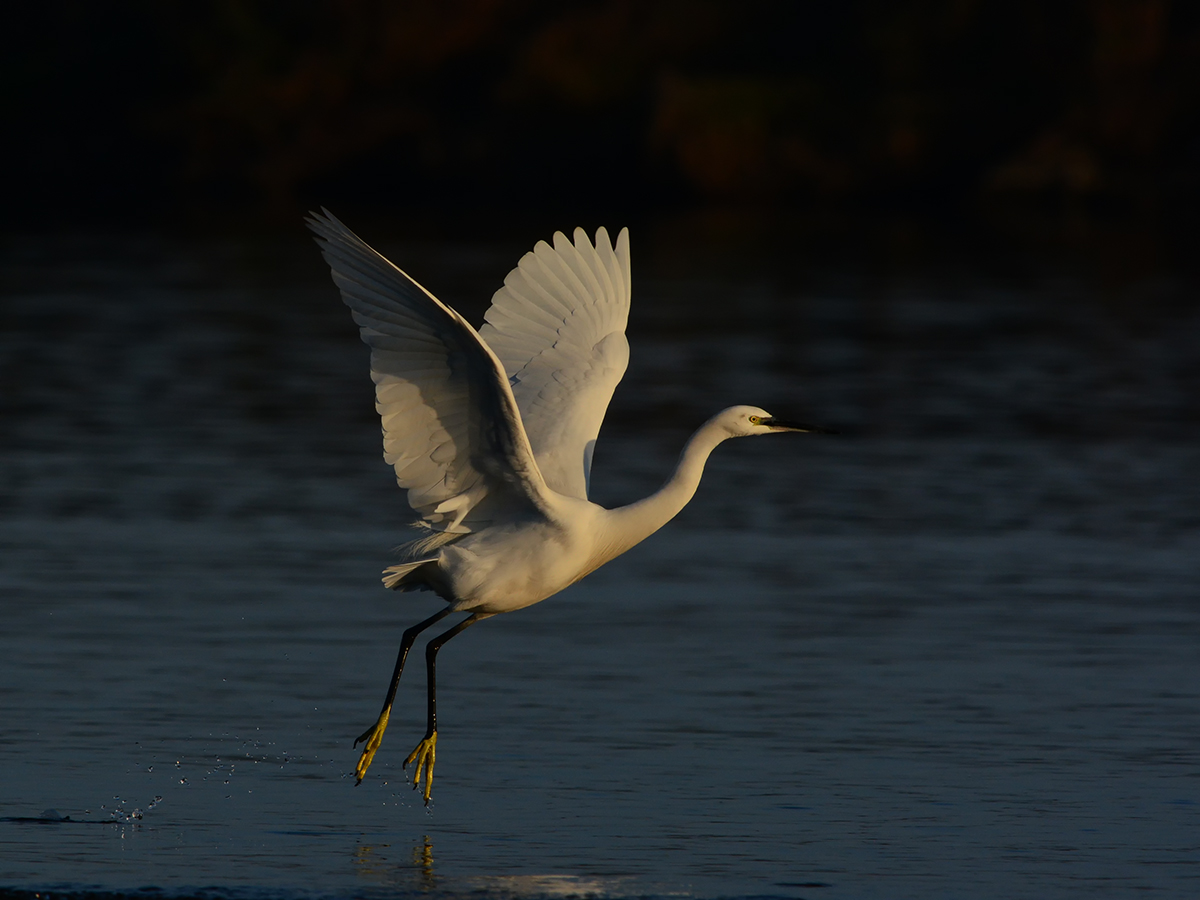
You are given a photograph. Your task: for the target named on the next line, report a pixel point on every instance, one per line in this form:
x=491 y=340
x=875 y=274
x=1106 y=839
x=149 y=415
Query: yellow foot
x=425 y=754
x=374 y=737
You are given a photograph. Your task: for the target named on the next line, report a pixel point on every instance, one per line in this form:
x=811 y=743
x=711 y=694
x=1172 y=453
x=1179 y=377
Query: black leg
x=425 y=754
x=431 y=650
x=374 y=735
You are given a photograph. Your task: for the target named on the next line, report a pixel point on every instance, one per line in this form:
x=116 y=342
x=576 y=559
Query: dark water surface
x=953 y=652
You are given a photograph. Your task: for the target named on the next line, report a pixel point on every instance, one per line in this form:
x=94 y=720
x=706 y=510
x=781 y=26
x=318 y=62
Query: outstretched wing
x=451 y=428
x=558 y=326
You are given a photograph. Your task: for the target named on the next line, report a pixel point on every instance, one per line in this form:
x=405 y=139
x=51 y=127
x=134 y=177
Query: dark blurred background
x=142 y=110
x=957 y=217
x=953 y=645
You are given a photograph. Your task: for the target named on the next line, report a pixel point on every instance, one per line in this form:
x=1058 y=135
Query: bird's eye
x=754 y=420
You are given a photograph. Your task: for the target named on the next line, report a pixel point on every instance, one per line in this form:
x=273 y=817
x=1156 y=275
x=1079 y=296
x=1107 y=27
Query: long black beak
x=784 y=425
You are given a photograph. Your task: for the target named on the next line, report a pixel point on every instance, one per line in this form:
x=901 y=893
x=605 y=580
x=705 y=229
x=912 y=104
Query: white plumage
x=558 y=327
x=491 y=432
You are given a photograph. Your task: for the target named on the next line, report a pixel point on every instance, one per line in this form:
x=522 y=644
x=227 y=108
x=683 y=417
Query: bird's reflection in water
x=552 y=885
x=422 y=861
x=372 y=861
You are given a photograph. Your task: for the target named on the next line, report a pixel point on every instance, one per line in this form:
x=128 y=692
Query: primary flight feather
x=491 y=433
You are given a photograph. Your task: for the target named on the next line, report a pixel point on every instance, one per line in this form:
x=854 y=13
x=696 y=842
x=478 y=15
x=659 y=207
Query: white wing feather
x=558 y=326
x=451 y=428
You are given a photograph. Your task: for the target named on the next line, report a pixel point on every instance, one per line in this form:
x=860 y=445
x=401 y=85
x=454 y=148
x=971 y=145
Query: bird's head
x=743 y=421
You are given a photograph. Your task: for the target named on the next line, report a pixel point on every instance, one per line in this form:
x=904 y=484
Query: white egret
x=491 y=433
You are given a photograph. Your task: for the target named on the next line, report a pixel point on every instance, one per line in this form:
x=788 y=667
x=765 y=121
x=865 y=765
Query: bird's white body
x=507 y=567
x=491 y=432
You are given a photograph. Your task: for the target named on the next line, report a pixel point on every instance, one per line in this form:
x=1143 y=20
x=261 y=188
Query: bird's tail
x=393 y=576
x=416 y=554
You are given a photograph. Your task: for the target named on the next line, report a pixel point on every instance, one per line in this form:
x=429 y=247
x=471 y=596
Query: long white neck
x=629 y=525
